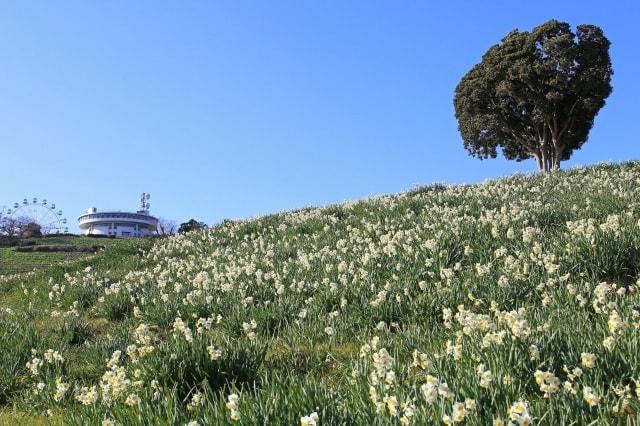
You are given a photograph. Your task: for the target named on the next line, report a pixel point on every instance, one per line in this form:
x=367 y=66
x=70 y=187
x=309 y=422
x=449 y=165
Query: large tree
x=191 y=225
x=536 y=94
x=30 y=229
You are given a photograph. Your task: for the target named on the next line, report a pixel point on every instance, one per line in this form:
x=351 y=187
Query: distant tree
x=30 y=229
x=536 y=94
x=191 y=225
x=10 y=226
x=167 y=227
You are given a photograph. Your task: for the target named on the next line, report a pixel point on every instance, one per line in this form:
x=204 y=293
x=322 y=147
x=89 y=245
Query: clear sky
x=236 y=109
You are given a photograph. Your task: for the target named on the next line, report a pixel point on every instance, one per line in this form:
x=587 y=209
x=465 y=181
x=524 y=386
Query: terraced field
x=12 y=262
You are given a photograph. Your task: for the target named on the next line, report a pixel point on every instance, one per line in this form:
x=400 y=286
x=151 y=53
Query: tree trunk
x=544 y=159
x=557 y=156
x=549 y=155
x=538 y=158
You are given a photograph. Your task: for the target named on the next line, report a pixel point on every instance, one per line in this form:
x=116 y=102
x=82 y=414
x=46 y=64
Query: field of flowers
x=510 y=302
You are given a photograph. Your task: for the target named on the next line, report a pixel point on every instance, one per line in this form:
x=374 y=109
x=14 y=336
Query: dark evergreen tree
x=30 y=229
x=536 y=94
x=191 y=225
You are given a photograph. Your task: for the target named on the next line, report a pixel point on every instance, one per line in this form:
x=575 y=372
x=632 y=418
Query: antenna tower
x=144 y=201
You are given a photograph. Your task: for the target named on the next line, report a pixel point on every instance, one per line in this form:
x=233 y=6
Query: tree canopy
x=30 y=229
x=536 y=94
x=191 y=225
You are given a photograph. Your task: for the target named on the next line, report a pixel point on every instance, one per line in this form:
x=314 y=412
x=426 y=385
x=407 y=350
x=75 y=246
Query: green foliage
x=29 y=230
x=17 y=339
x=191 y=225
x=191 y=367
x=536 y=94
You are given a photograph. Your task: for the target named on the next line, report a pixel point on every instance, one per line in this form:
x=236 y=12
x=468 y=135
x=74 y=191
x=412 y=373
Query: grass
x=515 y=300
x=12 y=417
x=12 y=262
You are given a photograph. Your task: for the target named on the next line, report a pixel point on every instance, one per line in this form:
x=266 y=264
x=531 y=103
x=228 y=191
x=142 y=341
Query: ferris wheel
x=44 y=213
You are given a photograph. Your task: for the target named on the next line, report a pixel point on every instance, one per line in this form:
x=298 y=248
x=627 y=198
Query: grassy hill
x=13 y=262
x=514 y=300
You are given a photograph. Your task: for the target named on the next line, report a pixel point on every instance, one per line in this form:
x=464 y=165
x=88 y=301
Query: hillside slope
x=13 y=262
x=513 y=300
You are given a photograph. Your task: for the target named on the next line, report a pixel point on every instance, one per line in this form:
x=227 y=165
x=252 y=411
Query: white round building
x=119 y=223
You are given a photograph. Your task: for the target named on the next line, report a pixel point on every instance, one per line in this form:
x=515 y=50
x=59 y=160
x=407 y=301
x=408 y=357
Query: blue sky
x=235 y=109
